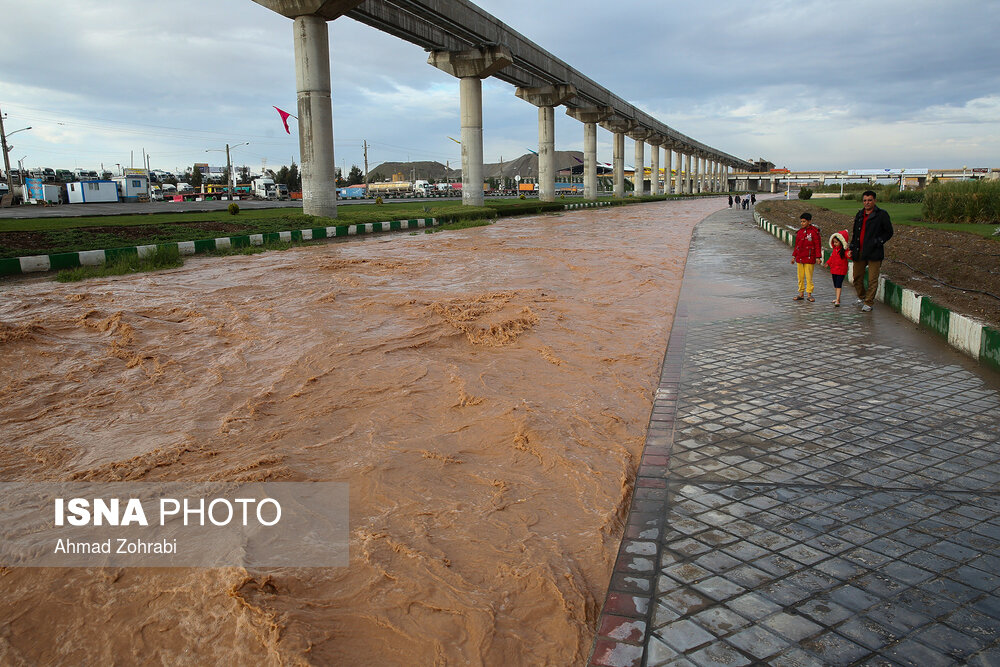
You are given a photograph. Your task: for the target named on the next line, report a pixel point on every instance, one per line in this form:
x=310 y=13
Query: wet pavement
x=819 y=486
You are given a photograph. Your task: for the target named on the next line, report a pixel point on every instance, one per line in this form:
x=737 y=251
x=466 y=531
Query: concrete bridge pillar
x=715 y=176
x=640 y=168
x=685 y=179
x=654 y=166
x=590 y=117
x=311 y=41
x=667 y=163
x=618 y=126
x=697 y=174
x=546 y=99
x=313 y=101
x=678 y=183
x=618 y=164
x=470 y=68
x=774 y=184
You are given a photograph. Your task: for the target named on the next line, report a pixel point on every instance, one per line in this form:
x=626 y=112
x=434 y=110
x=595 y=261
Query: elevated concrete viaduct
x=471 y=44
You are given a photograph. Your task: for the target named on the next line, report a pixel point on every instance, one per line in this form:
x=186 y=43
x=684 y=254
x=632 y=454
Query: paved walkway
x=818 y=487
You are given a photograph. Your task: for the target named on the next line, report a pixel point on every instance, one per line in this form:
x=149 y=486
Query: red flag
x=284 y=118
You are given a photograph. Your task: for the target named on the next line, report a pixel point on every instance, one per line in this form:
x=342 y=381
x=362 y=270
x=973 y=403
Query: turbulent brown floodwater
x=485 y=393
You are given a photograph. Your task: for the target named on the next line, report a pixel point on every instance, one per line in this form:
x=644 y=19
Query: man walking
x=872 y=228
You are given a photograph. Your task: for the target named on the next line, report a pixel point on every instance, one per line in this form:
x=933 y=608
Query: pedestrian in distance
x=838 y=262
x=730 y=201
x=737 y=201
x=746 y=202
x=753 y=198
x=806 y=251
x=872 y=229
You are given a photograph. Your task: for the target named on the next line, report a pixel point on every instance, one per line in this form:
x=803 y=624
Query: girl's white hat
x=842 y=235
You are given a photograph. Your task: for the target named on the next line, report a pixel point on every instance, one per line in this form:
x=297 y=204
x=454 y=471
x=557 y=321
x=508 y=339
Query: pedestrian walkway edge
x=69 y=260
x=625 y=621
x=974 y=338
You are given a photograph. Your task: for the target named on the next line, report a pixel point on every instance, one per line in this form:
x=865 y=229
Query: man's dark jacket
x=878 y=230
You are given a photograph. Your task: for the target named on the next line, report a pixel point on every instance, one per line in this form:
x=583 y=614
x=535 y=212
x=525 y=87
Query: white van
x=184 y=187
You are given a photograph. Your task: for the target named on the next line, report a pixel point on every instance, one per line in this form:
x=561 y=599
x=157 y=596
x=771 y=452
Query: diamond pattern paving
x=831 y=478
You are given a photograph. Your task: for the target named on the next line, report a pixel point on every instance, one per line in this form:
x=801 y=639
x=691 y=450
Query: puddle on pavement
x=485 y=393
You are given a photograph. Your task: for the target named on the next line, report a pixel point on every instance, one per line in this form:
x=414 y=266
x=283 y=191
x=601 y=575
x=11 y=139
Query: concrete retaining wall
x=978 y=340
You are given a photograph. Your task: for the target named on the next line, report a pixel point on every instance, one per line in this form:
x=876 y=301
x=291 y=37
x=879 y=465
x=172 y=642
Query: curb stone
x=69 y=260
x=978 y=340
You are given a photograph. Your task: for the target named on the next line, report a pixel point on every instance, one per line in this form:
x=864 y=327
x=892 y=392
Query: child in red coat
x=839 y=254
x=808 y=249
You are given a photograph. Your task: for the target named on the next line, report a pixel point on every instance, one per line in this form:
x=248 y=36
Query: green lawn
x=345 y=215
x=902 y=214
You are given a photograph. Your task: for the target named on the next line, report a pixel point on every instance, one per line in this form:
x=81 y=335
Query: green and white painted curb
x=978 y=340
x=70 y=260
x=595 y=204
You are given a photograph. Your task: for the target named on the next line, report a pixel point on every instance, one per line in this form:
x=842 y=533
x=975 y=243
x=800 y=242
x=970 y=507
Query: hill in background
x=525 y=165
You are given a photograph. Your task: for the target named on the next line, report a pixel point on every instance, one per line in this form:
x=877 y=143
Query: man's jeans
x=859 y=279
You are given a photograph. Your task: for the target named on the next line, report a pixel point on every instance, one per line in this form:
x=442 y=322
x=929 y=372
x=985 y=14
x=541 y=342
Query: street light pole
x=6 y=158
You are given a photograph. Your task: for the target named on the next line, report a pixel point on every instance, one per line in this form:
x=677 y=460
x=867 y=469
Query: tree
x=355 y=177
x=377 y=177
x=282 y=176
x=195 y=177
x=294 y=178
x=244 y=174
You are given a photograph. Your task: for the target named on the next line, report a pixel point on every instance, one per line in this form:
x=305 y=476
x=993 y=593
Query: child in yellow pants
x=808 y=249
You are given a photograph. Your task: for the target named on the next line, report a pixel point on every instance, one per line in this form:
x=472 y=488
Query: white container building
x=132 y=186
x=90 y=192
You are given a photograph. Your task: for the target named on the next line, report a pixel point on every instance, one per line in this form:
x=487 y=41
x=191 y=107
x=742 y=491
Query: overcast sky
x=806 y=84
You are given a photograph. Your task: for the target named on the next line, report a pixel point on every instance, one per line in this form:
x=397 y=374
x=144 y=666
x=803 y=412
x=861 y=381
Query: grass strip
x=119 y=264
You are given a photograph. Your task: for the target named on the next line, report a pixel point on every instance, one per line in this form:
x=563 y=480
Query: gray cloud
x=807 y=84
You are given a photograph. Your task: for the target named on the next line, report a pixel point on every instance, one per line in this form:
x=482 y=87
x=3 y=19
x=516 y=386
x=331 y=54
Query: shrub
x=963 y=202
x=805 y=193
x=378 y=200
x=234 y=209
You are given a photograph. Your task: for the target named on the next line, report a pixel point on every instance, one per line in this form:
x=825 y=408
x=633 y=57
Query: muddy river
x=484 y=392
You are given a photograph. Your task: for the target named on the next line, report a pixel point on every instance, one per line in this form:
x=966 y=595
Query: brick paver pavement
x=819 y=486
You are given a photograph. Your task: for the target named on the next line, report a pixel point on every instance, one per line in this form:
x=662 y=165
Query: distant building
x=90 y=192
x=132 y=186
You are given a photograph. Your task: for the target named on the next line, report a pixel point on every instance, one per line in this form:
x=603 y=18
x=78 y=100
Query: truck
x=351 y=192
x=184 y=187
x=263 y=188
x=281 y=191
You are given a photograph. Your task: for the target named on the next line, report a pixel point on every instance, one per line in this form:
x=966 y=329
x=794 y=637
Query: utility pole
x=365 y=145
x=229 y=172
x=6 y=158
x=502 y=183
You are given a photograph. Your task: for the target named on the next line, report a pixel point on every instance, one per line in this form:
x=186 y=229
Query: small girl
x=838 y=261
